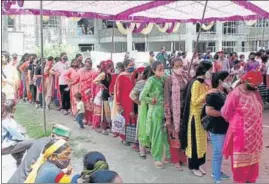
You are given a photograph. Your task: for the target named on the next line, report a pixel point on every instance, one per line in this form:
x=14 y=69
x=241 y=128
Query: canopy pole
x=113 y=35
x=263 y=41
x=198 y=36
x=42 y=65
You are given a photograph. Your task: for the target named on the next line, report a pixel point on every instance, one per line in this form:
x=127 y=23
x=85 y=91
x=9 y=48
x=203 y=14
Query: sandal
x=201 y=169
x=98 y=130
x=159 y=165
x=125 y=143
x=135 y=148
x=116 y=135
x=105 y=132
x=178 y=166
x=144 y=157
x=197 y=173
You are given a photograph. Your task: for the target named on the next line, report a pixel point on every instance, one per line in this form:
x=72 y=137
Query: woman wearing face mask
x=23 y=68
x=85 y=82
x=193 y=137
x=153 y=95
x=174 y=88
x=72 y=78
x=123 y=88
x=52 y=166
x=244 y=139
x=218 y=126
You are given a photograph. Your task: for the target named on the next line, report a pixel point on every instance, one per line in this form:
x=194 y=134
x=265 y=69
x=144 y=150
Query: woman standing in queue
x=72 y=78
x=174 y=88
x=153 y=95
x=244 y=139
x=193 y=137
x=85 y=83
x=123 y=88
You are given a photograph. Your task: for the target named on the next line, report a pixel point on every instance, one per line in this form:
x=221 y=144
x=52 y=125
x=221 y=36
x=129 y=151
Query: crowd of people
x=169 y=109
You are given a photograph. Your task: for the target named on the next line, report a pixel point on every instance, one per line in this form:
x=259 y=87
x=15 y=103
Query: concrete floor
x=127 y=162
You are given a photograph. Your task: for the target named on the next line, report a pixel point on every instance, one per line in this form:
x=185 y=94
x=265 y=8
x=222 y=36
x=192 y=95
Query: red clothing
x=123 y=88
x=72 y=76
x=97 y=108
x=85 y=85
x=112 y=83
x=244 y=138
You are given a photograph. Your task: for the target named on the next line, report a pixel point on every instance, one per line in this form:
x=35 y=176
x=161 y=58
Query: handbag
x=131 y=134
x=118 y=124
x=205 y=119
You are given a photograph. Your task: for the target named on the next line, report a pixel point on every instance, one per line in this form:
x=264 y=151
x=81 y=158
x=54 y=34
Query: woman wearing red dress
x=85 y=83
x=72 y=77
x=123 y=88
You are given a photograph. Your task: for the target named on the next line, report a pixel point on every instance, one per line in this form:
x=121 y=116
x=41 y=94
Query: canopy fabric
x=146 y=11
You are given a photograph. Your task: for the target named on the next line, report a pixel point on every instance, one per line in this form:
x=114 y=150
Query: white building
x=97 y=35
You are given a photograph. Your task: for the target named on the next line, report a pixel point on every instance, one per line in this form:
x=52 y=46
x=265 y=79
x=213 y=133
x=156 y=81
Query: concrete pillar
x=129 y=42
x=219 y=35
x=190 y=34
x=5 y=33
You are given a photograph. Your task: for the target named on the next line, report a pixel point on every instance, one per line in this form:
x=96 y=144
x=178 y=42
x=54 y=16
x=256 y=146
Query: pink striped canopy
x=144 y=11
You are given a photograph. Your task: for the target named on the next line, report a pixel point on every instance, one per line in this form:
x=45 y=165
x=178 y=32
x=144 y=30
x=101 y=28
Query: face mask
x=208 y=75
x=65 y=59
x=62 y=164
x=226 y=85
x=131 y=69
x=15 y=58
x=117 y=71
x=178 y=71
x=250 y=88
x=88 y=67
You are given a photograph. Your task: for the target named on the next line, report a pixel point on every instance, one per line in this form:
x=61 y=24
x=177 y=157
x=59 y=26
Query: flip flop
x=159 y=165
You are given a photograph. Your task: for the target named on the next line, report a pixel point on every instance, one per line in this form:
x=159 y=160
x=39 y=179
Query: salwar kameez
x=142 y=127
x=97 y=103
x=155 y=117
x=123 y=88
x=85 y=85
x=244 y=139
x=193 y=136
x=48 y=83
x=72 y=76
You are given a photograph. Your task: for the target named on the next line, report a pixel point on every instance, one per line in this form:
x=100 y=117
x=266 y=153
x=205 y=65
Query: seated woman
x=12 y=135
x=53 y=164
x=105 y=176
x=93 y=161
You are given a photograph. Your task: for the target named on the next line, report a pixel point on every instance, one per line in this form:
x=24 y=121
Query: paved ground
x=127 y=162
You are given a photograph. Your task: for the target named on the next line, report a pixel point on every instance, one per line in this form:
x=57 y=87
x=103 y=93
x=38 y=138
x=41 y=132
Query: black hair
x=103 y=176
x=126 y=62
x=78 y=55
x=264 y=58
x=155 y=64
x=236 y=62
x=147 y=73
x=175 y=60
x=258 y=54
x=88 y=60
x=50 y=58
x=72 y=61
x=241 y=56
x=202 y=68
x=91 y=158
x=219 y=76
x=57 y=59
x=62 y=54
x=6 y=54
x=151 y=52
x=78 y=96
x=267 y=52
x=120 y=66
x=216 y=56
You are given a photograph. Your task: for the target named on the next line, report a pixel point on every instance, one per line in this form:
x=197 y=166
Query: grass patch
x=32 y=121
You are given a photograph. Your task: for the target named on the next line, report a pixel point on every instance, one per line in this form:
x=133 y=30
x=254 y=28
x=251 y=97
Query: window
x=228 y=46
x=212 y=30
x=140 y=47
x=262 y=23
x=107 y=24
x=179 y=45
x=212 y=46
x=11 y=22
x=52 y=22
x=230 y=27
x=86 y=26
x=86 y=47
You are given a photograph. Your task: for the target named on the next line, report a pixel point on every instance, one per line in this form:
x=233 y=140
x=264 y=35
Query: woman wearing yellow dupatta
x=53 y=164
